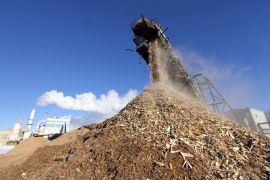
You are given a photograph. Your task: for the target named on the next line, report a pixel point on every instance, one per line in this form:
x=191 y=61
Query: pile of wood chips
x=160 y=134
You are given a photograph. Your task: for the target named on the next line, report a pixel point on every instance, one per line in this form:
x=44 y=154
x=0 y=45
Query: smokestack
x=30 y=121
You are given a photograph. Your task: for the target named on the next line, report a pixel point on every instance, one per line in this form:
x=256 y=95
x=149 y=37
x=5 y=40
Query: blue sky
x=79 y=46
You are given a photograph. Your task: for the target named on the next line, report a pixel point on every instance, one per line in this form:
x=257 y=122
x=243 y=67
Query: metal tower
x=211 y=95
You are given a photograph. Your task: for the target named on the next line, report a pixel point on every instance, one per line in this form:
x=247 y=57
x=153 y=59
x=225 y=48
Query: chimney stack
x=30 y=121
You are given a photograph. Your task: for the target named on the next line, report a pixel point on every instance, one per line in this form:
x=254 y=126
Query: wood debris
x=161 y=134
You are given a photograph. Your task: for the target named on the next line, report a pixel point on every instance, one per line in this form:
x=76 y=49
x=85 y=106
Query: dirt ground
x=161 y=134
x=22 y=151
x=25 y=149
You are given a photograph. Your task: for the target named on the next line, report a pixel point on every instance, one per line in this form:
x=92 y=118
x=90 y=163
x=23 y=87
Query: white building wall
x=54 y=125
x=259 y=117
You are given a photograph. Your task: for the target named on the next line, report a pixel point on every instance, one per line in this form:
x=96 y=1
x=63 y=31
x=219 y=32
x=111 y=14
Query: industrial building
x=18 y=133
x=47 y=127
x=251 y=118
x=52 y=125
x=4 y=136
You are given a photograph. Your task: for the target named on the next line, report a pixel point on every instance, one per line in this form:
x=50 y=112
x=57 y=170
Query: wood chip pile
x=160 y=134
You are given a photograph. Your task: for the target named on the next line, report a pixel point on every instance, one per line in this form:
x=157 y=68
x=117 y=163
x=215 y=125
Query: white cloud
x=97 y=109
x=107 y=104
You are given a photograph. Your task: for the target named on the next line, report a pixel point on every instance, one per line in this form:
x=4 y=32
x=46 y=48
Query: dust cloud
x=166 y=69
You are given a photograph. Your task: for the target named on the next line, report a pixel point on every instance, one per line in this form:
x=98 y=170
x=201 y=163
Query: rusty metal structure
x=146 y=33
